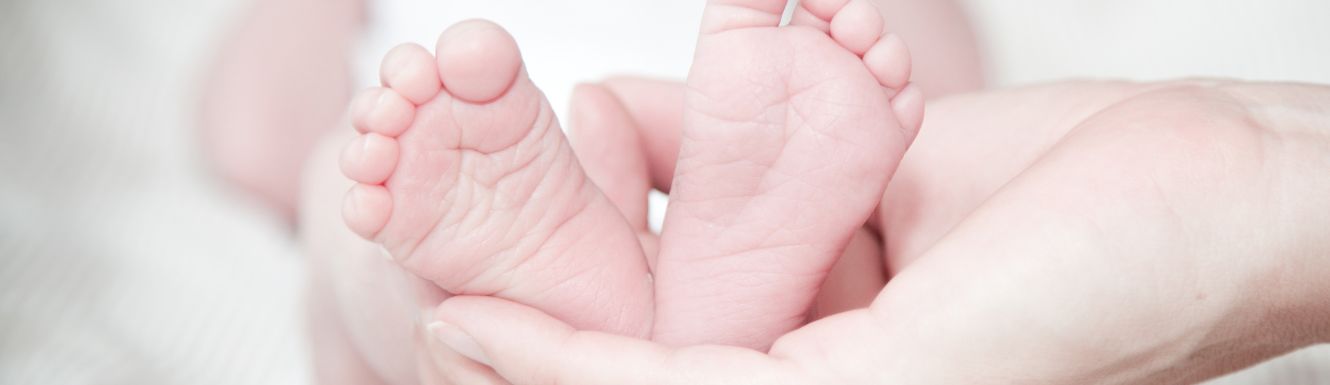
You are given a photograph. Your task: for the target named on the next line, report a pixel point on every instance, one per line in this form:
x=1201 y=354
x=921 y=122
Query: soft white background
x=122 y=261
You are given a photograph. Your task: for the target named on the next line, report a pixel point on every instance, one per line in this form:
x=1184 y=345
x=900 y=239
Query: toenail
x=889 y=60
x=477 y=60
x=460 y=342
x=357 y=195
x=384 y=102
x=392 y=65
x=361 y=108
x=364 y=145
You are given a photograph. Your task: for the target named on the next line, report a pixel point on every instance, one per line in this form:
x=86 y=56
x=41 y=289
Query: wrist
x=1295 y=291
x=1311 y=254
x=1295 y=303
x=1314 y=189
x=1316 y=299
x=1294 y=239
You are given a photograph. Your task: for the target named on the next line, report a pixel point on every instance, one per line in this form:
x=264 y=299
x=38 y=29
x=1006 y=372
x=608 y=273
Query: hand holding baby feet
x=790 y=134
x=466 y=180
x=1159 y=228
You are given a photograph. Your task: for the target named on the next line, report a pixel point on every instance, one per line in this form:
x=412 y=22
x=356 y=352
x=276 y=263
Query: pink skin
x=366 y=310
x=607 y=140
x=789 y=137
x=384 y=114
x=951 y=62
x=268 y=106
x=356 y=346
x=608 y=137
x=466 y=180
x=373 y=358
x=280 y=80
x=1131 y=198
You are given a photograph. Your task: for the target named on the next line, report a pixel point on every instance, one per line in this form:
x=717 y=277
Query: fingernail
x=458 y=341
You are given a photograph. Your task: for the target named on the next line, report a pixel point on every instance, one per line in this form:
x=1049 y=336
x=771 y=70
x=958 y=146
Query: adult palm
x=1062 y=234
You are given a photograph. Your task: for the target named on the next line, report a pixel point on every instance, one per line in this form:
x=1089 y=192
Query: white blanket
x=123 y=261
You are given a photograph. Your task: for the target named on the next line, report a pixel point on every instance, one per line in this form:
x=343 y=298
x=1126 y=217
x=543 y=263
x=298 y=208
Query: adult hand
x=1119 y=234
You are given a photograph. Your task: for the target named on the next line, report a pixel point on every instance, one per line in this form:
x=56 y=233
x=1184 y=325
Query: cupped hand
x=1065 y=234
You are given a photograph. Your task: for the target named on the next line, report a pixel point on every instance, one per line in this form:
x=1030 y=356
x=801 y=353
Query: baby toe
x=857 y=26
x=478 y=60
x=889 y=61
x=366 y=209
x=370 y=158
x=822 y=9
x=909 y=108
x=805 y=18
x=409 y=69
x=724 y=15
x=382 y=111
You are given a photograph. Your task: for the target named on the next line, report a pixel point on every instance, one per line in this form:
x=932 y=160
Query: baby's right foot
x=473 y=186
x=790 y=135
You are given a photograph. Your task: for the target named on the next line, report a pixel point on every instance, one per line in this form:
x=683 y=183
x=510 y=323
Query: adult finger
x=440 y=365
x=528 y=347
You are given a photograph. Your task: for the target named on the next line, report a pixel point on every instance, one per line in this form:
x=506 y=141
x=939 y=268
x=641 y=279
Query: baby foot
x=790 y=135
x=467 y=181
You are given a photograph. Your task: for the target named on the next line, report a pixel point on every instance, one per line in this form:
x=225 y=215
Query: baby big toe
x=723 y=15
x=823 y=10
x=478 y=60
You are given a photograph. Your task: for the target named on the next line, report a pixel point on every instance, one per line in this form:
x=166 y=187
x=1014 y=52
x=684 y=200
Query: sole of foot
x=790 y=135
x=465 y=178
